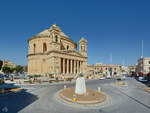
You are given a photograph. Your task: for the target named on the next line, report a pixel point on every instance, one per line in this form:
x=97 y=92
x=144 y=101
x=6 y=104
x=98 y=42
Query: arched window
x=82 y=47
x=61 y=46
x=67 y=47
x=44 y=47
x=56 y=38
x=34 y=48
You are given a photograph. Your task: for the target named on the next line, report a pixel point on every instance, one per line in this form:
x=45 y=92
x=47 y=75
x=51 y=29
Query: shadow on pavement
x=16 y=101
x=8 y=85
x=147 y=84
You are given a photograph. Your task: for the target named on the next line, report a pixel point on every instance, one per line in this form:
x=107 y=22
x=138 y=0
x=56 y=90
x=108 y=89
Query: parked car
x=102 y=78
x=1 y=76
x=148 y=76
x=119 y=79
x=2 y=80
x=140 y=74
x=6 y=77
x=143 y=78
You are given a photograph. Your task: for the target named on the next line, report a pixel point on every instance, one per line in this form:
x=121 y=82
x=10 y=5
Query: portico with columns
x=69 y=63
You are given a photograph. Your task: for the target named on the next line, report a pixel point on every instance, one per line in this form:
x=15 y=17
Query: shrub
x=30 y=81
x=50 y=75
x=50 y=81
x=40 y=81
x=36 y=76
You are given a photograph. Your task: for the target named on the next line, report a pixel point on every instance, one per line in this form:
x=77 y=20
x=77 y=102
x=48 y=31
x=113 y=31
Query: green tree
x=25 y=68
x=18 y=68
x=6 y=69
x=1 y=64
x=12 y=70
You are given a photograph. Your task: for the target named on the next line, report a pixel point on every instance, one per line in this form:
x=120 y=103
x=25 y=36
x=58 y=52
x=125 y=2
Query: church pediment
x=72 y=52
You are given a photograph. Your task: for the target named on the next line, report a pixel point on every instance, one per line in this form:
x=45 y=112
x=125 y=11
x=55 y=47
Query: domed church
x=53 y=52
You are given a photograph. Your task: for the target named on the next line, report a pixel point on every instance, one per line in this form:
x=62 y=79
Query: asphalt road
x=41 y=99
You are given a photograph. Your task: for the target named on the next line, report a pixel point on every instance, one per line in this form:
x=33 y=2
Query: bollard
x=99 y=89
x=65 y=87
x=74 y=98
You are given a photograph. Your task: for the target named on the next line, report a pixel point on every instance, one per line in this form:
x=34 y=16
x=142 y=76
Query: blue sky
x=114 y=27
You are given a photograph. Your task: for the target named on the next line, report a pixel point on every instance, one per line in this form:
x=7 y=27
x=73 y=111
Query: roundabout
x=80 y=95
x=90 y=98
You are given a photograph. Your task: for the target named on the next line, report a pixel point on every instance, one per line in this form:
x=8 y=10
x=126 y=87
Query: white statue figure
x=80 y=85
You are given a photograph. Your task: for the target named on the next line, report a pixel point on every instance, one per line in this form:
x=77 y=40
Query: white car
x=124 y=77
x=102 y=78
x=142 y=79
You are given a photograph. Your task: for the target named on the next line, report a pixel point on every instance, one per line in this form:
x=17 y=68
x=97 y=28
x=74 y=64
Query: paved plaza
x=41 y=99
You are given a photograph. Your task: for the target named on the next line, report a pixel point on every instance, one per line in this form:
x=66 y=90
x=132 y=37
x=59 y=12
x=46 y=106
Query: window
x=82 y=47
x=56 y=38
x=67 y=47
x=44 y=47
x=34 y=48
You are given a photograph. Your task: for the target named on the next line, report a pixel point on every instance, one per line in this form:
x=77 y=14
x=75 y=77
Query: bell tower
x=83 y=46
x=55 y=43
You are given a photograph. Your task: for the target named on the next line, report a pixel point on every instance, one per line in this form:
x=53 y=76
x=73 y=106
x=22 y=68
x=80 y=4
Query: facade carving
x=53 y=52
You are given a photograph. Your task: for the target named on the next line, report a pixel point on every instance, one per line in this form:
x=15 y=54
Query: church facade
x=53 y=52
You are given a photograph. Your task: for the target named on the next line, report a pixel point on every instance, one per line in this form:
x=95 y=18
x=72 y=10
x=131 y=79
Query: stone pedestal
x=80 y=86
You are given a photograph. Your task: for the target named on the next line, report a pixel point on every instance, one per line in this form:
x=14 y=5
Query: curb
x=83 y=103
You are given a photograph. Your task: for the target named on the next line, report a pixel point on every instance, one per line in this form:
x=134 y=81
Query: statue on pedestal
x=80 y=85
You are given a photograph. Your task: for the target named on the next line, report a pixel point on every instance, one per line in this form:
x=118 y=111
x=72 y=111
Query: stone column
x=63 y=65
x=67 y=65
x=84 y=67
x=70 y=66
x=74 y=66
x=77 y=66
x=81 y=67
